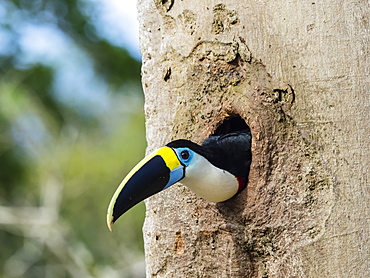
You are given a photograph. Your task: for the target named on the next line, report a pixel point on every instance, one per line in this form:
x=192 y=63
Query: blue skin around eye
x=186 y=162
x=178 y=173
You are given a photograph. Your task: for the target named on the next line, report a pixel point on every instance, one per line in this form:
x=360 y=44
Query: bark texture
x=297 y=72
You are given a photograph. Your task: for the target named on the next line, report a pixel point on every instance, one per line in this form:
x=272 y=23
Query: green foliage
x=61 y=161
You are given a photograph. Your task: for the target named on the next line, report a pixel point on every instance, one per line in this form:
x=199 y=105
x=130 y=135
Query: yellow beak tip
x=110 y=222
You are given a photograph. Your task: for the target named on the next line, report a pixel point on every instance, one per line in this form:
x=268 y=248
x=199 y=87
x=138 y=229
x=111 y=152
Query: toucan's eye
x=184 y=154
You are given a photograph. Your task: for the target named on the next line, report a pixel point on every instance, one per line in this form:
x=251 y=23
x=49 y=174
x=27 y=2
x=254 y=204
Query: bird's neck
x=210 y=182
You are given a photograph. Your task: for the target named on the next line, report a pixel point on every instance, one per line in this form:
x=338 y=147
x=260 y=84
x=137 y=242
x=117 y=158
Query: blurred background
x=71 y=127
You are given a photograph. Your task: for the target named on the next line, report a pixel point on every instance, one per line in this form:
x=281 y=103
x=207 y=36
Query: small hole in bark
x=167 y=75
x=231 y=124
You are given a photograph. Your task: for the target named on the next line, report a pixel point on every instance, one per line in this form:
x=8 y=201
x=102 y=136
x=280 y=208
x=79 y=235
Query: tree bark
x=297 y=72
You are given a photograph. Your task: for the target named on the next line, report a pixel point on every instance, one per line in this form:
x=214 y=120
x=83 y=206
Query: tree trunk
x=297 y=72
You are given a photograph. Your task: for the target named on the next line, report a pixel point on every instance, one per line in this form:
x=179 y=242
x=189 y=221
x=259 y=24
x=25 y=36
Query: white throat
x=208 y=181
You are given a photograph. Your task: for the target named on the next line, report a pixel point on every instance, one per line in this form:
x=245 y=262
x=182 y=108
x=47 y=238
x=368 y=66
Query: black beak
x=153 y=174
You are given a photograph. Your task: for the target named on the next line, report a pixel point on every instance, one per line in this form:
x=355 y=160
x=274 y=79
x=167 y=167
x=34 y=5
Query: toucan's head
x=156 y=172
x=198 y=167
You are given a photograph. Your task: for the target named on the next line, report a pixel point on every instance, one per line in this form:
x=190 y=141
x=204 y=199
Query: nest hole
x=232 y=124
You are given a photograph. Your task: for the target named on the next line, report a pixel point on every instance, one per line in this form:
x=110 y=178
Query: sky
x=119 y=23
x=41 y=42
x=75 y=82
x=116 y=21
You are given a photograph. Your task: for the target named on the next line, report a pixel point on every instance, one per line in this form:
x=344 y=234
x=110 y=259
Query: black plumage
x=230 y=152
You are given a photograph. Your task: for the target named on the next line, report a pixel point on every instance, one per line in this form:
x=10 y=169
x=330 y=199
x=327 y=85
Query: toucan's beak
x=154 y=173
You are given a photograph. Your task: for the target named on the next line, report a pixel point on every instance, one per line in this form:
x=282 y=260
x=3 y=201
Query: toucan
x=216 y=171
